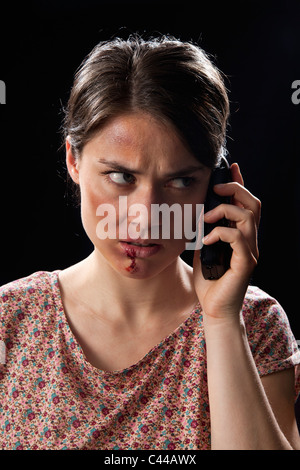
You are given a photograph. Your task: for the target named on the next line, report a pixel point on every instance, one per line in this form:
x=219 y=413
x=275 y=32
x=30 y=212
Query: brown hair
x=171 y=79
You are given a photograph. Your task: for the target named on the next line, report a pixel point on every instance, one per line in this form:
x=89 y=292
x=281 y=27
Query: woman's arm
x=280 y=390
x=240 y=408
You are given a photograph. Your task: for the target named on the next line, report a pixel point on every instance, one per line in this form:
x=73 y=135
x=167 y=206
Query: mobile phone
x=215 y=259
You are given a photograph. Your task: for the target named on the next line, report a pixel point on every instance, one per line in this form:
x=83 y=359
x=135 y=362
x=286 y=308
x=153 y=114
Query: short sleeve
x=270 y=337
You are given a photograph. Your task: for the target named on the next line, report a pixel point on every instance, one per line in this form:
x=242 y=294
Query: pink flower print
x=144 y=429
x=25 y=362
x=169 y=413
x=41 y=384
x=55 y=400
x=194 y=424
x=105 y=411
x=96 y=434
x=171 y=446
x=76 y=423
x=31 y=416
x=187 y=363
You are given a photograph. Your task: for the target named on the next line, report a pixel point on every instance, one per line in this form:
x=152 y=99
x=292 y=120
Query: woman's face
x=144 y=161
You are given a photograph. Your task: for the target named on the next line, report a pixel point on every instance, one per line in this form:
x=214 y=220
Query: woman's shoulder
x=258 y=301
x=267 y=324
x=27 y=288
x=261 y=310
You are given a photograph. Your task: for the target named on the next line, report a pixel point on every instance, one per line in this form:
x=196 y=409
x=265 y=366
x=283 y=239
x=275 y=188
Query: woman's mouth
x=134 y=249
x=141 y=244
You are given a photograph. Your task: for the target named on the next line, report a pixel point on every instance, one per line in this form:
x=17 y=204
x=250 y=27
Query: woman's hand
x=223 y=298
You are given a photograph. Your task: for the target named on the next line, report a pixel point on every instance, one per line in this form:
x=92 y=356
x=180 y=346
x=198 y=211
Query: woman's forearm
x=241 y=416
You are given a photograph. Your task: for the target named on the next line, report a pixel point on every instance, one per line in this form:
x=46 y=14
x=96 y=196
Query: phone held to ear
x=215 y=259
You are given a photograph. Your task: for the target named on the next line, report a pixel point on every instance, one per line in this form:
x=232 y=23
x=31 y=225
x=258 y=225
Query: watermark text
x=296 y=94
x=164 y=221
x=2 y=92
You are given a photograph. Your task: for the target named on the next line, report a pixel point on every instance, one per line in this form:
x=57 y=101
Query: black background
x=255 y=43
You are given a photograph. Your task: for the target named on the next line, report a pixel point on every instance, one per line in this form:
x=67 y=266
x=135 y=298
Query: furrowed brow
x=185 y=171
x=114 y=165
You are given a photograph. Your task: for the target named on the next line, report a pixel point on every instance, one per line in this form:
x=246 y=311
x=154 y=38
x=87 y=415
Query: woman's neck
x=94 y=283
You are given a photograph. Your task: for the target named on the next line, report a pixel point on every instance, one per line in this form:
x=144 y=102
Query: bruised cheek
x=90 y=200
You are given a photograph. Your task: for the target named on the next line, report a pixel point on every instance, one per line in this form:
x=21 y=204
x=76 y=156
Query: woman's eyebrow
x=117 y=166
x=185 y=171
x=181 y=172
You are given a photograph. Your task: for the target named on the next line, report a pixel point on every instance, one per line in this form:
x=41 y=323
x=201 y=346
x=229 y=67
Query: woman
x=131 y=348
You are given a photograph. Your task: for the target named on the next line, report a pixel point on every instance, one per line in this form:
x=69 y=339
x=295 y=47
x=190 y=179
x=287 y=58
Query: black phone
x=215 y=259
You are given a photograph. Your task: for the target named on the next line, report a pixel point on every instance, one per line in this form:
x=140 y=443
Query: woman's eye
x=121 y=178
x=182 y=182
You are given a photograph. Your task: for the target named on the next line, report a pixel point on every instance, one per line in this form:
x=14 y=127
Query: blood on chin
x=131 y=254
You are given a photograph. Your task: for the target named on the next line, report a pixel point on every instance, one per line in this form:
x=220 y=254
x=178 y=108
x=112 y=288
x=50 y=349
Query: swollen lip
x=138 y=244
x=139 y=251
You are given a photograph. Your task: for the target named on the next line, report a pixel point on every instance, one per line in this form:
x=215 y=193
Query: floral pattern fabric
x=52 y=398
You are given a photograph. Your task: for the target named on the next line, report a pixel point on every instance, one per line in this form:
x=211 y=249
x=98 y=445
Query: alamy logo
x=2 y=352
x=296 y=94
x=2 y=92
x=167 y=222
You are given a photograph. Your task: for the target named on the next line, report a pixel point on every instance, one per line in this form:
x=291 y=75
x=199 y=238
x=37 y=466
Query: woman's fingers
x=243 y=259
x=236 y=174
x=243 y=219
x=242 y=198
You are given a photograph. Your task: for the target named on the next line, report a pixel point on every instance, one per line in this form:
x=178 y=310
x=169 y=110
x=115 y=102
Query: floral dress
x=51 y=397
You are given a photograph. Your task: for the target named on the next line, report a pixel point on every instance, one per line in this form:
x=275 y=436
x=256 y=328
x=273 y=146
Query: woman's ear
x=72 y=162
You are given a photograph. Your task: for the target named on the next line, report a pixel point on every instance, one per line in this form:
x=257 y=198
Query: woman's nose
x=142 y=213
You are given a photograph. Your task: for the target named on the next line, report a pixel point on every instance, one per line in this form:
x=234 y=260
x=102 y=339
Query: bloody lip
x=131 y=254
x=139 y=251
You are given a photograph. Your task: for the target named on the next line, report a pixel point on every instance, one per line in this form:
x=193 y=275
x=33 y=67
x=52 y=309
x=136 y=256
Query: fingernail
x=208 y=214
x=205 y=239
